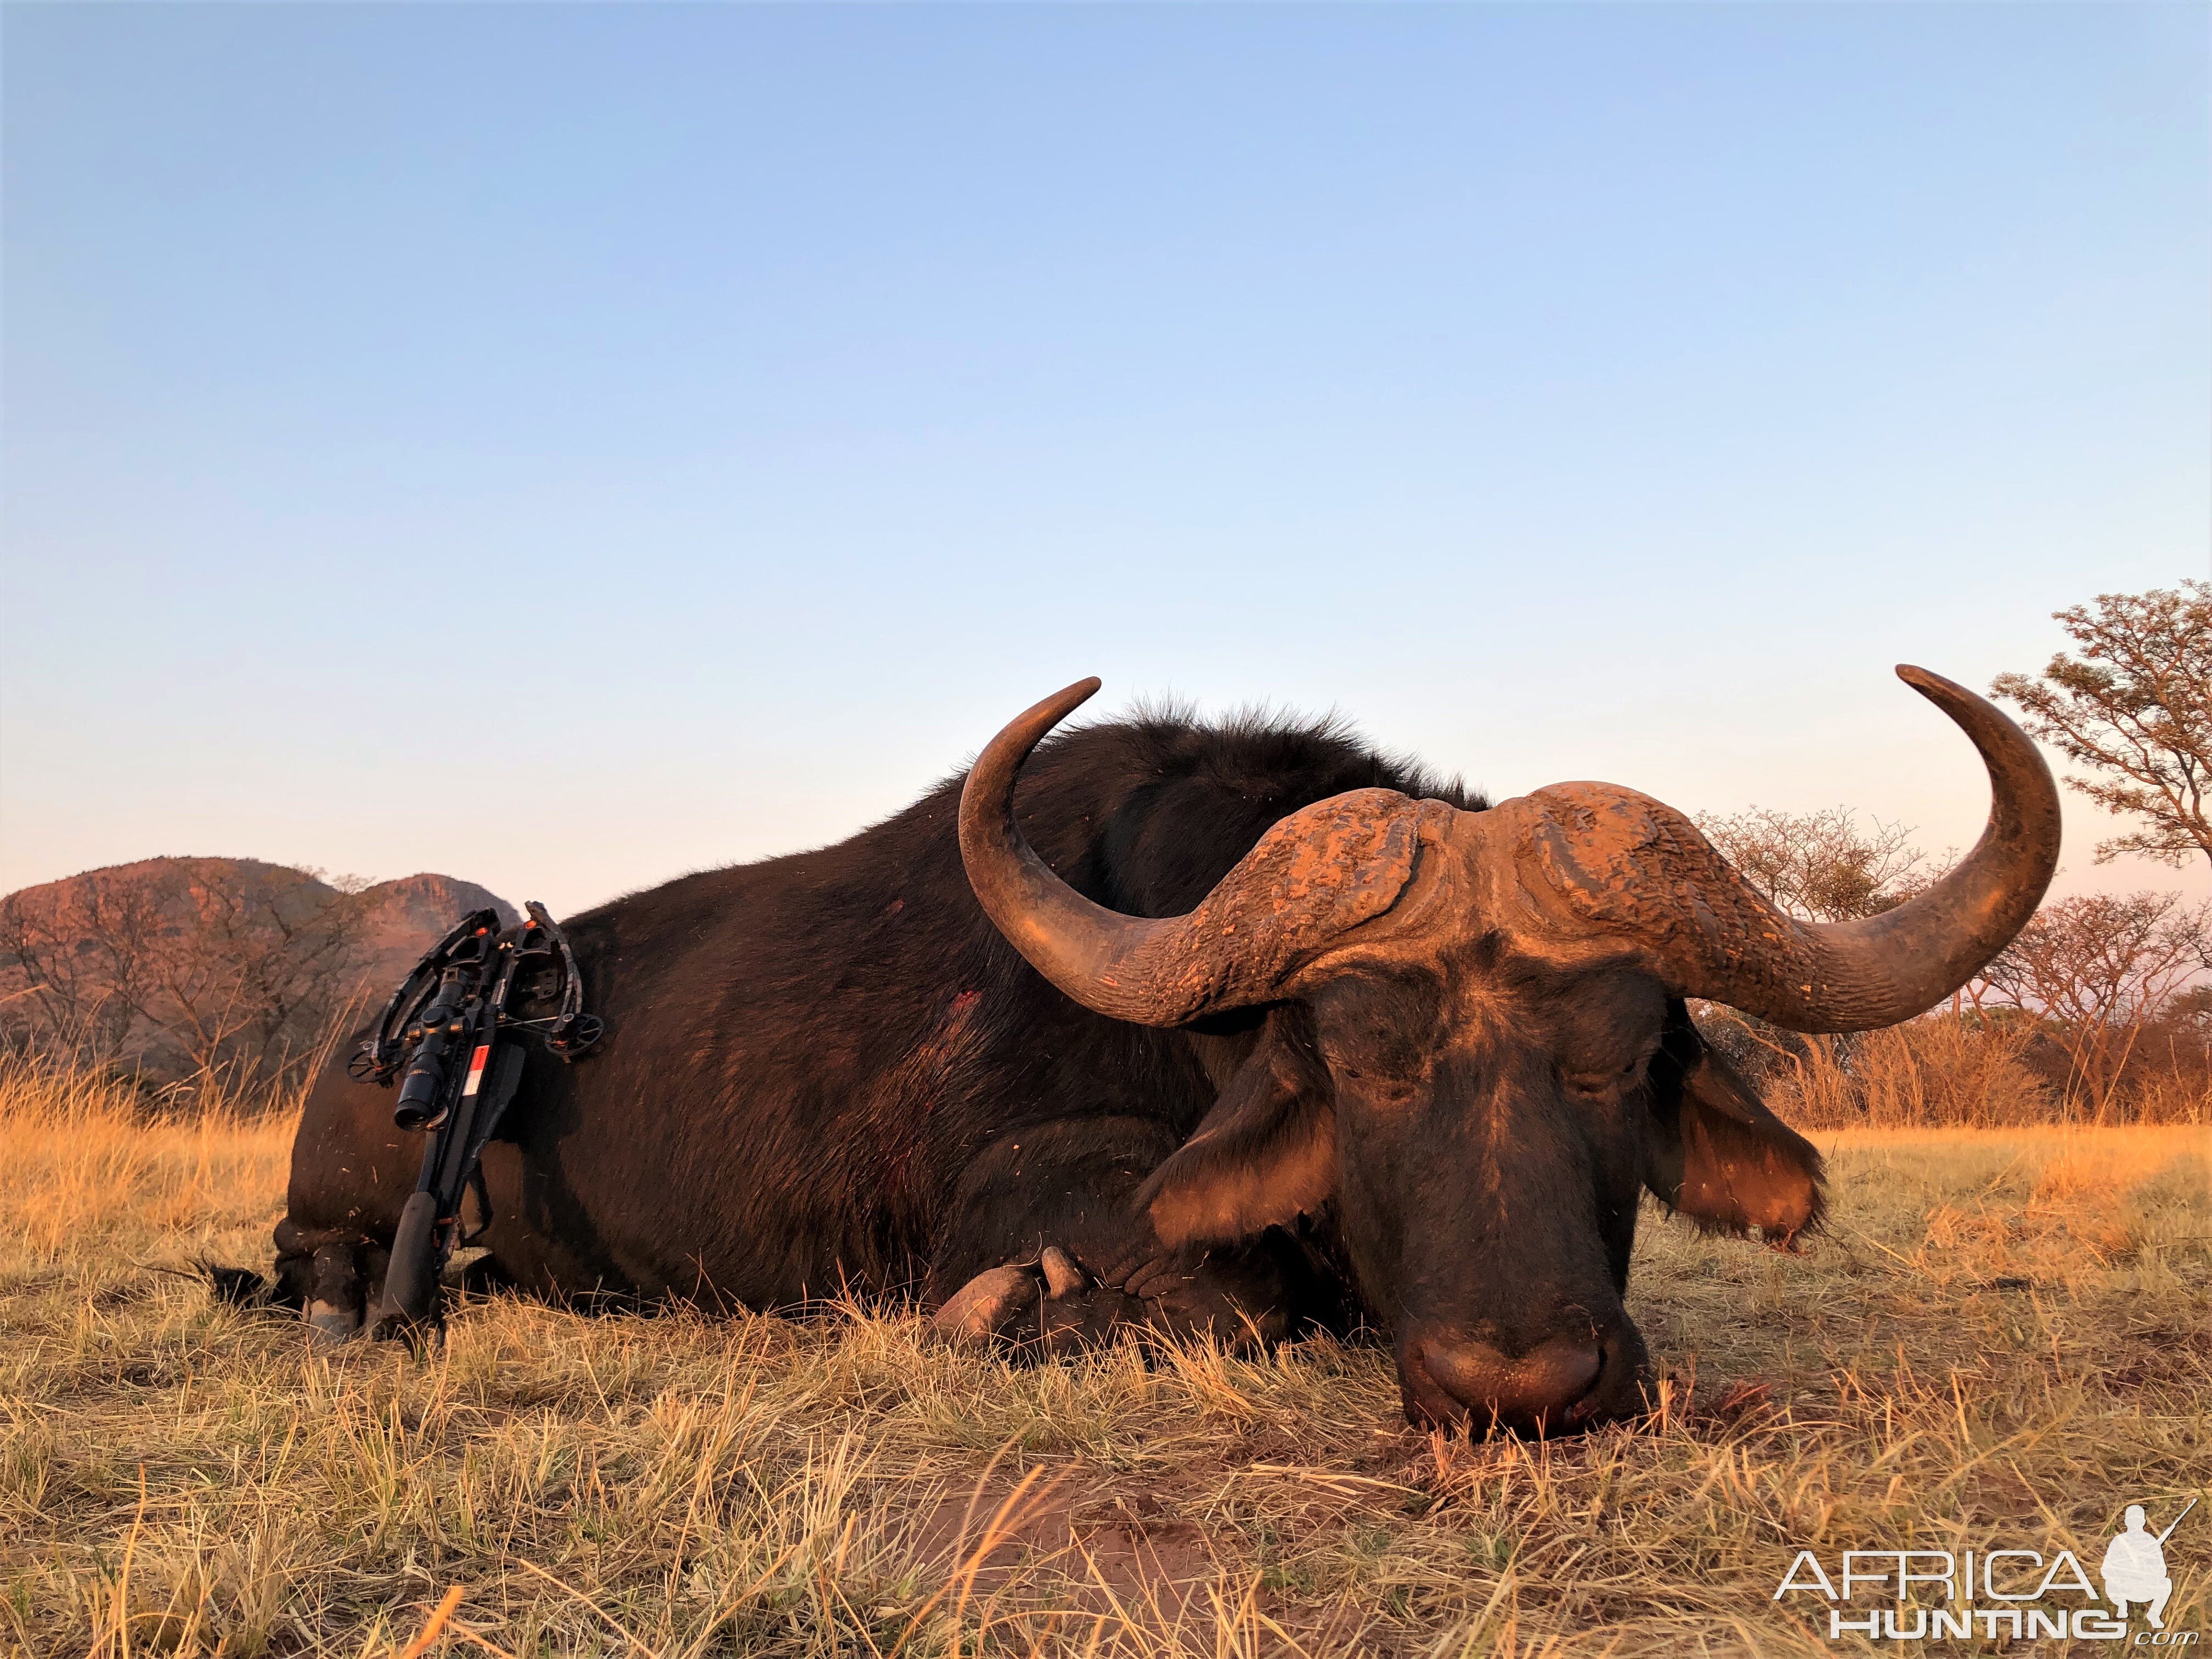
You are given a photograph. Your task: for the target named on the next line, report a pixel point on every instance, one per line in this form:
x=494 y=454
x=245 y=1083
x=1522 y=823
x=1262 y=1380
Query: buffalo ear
x=1264 y=1155
x=1715 y=1154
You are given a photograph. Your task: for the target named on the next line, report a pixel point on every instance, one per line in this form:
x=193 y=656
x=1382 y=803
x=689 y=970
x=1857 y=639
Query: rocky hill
x=181 y=965
x=402 y=919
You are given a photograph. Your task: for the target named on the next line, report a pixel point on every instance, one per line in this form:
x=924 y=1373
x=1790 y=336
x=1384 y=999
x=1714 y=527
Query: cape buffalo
x=1243 y=1026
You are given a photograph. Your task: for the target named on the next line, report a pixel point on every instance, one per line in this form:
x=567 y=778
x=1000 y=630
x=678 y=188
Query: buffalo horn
x=1320 y=871
x=1570 y=870
x=1595 y=859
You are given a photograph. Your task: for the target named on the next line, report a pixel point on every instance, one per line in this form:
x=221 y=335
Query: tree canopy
x=2135 y=709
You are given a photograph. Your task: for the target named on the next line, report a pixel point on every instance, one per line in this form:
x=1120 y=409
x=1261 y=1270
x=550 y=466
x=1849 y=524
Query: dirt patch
x=1110 y=1553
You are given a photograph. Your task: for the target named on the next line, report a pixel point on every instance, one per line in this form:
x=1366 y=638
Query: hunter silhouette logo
x=2134 y=1566
x=1997 y=1594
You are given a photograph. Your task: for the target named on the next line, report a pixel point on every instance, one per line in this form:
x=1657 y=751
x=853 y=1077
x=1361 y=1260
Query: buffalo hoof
x=330 y=1324
x=1062 y=1277
x=1050 y=1305
x=985 y=1302
x=987 y=1305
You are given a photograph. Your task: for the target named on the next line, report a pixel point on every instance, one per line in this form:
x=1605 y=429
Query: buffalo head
x=1475 y=1047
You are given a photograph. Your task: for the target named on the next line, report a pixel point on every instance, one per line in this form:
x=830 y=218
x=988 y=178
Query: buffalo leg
x=350 y=1172
x=1042 y=1247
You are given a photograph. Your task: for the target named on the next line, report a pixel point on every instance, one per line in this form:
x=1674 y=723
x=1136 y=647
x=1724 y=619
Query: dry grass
x=1943 y=1072
x=1919 y=1075
x=2003 y=1332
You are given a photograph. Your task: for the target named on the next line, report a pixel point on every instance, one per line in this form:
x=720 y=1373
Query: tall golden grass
x=2001 y=1333
x=1946 y=1072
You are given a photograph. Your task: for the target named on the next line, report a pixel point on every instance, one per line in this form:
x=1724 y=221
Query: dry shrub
x=1947 y=1071
x=221 y=972
x=2173 y=1097
x=1940 y=1071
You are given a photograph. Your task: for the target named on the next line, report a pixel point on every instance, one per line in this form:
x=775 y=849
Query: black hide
x=827 y=1071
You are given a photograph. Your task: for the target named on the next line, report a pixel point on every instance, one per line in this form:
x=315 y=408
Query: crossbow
x=452 y=1036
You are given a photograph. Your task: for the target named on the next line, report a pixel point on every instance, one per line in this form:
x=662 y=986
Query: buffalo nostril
x=1531 y=1390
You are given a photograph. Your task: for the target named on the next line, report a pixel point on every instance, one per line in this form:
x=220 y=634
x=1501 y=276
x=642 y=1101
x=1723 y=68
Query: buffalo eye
x=1607 y=1035
x=1583 y=1083
x=1383 y=1058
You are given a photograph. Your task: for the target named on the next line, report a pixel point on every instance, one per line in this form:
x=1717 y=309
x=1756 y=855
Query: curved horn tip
x=1027 y=729
x=1066 y=701
x=1929 y=685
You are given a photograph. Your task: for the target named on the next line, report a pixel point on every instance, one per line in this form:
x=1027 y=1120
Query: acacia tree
x=2135 y=709
x=70 y=996
x=2098 y=969
x=1820 y=865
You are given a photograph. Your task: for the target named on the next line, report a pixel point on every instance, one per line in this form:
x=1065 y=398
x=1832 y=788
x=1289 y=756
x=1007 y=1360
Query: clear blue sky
x=564 y=446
